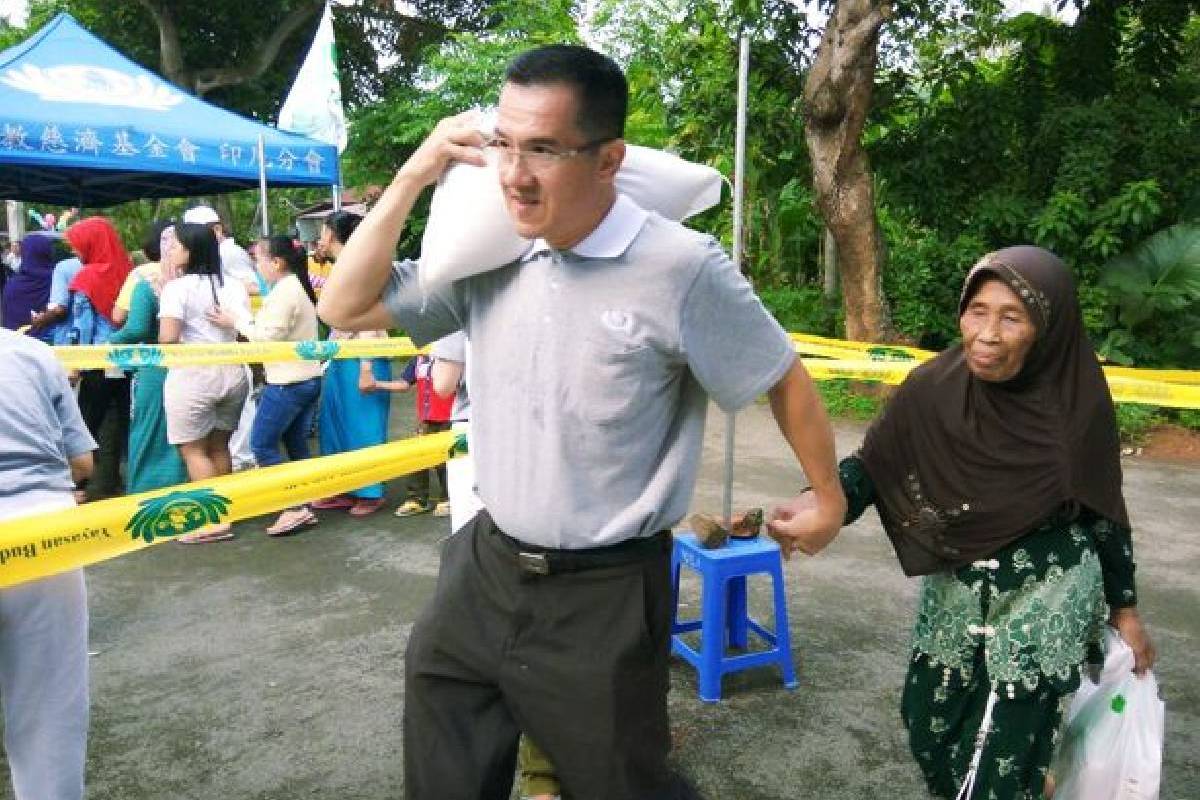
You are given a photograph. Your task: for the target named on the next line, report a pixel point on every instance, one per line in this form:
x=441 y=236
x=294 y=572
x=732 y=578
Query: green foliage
x=923 y=278
x=841 y=399
x=682 y=59
x=1155 y=289
x=1059 y=225
x=224 y=33
x=1135 y=421
x=803 y=310
x=1187 y=417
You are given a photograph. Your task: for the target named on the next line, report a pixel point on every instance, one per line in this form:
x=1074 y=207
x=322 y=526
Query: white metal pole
x=262 y=186
x=739 y=187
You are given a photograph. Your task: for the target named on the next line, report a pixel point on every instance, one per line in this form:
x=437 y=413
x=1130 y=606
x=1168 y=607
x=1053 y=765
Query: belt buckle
x=535 y=563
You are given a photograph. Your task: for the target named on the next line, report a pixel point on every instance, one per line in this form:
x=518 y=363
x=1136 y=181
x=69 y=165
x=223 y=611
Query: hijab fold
x=105 y=262
x=963 y=467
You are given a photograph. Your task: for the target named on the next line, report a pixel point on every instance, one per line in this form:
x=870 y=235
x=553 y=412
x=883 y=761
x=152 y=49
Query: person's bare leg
x=218 y=451
x=197 y=458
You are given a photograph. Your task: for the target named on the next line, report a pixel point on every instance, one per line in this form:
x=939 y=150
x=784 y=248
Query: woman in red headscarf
x=101 y=392
x=105 y=263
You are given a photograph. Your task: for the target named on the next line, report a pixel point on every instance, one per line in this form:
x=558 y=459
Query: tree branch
x=170 y=52
x=263 y=55
x=850 y=37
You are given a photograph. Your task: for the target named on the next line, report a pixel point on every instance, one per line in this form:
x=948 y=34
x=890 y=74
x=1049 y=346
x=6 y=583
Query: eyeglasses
x=539 y=157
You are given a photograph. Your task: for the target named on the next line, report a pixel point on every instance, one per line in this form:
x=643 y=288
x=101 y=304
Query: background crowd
x=189 y=281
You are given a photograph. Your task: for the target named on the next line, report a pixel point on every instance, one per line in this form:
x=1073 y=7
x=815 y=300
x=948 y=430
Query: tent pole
x=262 y=186
x=739 y=186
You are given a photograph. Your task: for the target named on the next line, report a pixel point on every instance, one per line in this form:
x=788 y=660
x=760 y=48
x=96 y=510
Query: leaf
x=1167 y=263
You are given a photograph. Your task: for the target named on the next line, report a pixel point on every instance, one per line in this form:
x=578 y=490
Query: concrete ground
x=272 y=669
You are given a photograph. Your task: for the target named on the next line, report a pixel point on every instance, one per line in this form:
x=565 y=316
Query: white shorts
x=199 y=400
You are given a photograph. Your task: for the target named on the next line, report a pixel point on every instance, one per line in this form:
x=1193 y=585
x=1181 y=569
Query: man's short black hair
x=596 y=79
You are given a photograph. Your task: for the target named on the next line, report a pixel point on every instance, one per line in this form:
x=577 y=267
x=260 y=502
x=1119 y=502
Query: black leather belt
x=535 y=560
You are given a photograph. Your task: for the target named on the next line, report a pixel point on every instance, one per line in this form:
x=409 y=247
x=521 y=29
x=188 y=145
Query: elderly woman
x=995 y=471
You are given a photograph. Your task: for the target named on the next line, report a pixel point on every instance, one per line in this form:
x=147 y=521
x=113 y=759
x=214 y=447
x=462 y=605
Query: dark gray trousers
x=577 y=660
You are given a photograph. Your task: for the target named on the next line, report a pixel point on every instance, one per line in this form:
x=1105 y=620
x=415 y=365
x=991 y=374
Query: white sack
x=469 y=230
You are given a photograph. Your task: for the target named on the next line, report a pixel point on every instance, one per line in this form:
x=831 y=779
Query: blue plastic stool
x=724 y=620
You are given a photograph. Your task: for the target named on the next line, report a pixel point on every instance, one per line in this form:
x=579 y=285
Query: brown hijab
x=963 y=467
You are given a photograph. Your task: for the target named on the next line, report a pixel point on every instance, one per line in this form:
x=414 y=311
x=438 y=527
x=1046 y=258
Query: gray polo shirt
x=40 y=427
x=591 y=370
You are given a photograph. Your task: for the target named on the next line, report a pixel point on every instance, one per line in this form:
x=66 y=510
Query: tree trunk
x=258 y=59
x=837 y=98
x=831 y=265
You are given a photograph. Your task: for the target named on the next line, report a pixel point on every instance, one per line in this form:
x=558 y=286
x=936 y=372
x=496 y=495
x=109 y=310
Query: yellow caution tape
x=1154 y=393
x=1188 y=377
x=47 y=544
x=1124 y=389
x=847 y=360
x=892 y=373
x=194 y=355
x=808 y=344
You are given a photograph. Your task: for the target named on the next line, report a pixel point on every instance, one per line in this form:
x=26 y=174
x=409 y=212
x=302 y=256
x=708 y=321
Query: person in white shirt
x=236 y=264
x=289 y=399
x=202 y=403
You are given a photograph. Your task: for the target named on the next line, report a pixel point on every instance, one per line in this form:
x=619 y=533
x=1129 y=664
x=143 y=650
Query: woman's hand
x=366 y=383
x=1128 y=623
x=806 y=523
x=221 y=318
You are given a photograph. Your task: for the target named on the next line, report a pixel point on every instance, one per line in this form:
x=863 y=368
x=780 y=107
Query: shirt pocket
x=616 y=377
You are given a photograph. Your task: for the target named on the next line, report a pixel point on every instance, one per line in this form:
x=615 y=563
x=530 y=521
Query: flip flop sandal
x=337 y=503
x=365 y=508
x=293 y=527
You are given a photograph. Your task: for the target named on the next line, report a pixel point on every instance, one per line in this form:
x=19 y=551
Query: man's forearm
x=361 y=274
x=801 y=417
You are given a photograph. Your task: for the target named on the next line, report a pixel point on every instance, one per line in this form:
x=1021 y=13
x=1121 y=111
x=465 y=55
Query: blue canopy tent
x=83 y=125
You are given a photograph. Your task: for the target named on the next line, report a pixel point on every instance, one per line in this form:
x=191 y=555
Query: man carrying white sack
x=594 y=355
x=45 y=452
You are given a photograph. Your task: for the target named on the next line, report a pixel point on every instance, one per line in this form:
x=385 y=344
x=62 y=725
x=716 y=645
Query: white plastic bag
x=469 y=230
x=1112 y=743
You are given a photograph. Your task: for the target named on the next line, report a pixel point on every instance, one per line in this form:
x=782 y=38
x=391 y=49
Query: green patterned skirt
x=1022 y=624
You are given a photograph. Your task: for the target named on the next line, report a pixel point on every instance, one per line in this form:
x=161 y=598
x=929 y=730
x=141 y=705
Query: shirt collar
x=610 y=239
